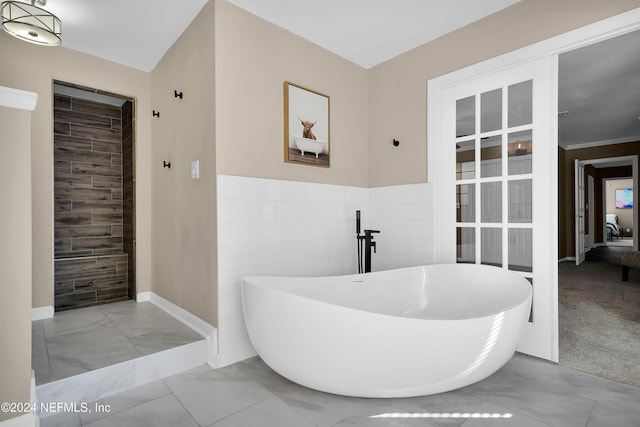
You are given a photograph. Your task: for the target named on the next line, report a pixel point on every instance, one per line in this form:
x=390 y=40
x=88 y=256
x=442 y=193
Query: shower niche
x=94 y=197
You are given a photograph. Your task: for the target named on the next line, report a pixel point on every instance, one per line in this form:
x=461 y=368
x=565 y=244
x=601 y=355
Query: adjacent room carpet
x=599 y=317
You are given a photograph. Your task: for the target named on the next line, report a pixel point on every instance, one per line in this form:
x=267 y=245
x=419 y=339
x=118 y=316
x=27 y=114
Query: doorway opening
x=94 y=196
x=599 y=139
x=619 y=211
x=600 y=219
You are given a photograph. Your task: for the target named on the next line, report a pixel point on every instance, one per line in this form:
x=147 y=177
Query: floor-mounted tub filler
x=398 y=333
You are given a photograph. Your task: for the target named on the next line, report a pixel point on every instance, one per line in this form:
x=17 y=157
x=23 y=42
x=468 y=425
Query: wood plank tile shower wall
x=91 y=262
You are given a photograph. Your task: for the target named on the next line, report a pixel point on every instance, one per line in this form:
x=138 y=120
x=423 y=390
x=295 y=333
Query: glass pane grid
x=465 y=138
x=502 y=225
x=466 y=116
x=519 y=128
x=485 y=238
x=520 y=103
x=495 y=179
x=491 y=110
x=491 y=134
x=491 y=156
x=519 y=177
x=518 y=225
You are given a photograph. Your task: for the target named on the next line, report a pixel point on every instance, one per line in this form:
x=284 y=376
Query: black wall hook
x=395 y=142
x=177 y=94
x=156 y=113
x=166 y=164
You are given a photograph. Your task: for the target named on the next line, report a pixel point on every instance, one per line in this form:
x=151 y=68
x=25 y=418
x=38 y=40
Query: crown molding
x=19 y=99
x=601 y=143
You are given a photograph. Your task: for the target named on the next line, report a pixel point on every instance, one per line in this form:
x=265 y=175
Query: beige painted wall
x=32 y=68
x=15 y=257
x=253 y=59
x=398 y=87
x=183 y=216
x=625 y=216
x=245 y=135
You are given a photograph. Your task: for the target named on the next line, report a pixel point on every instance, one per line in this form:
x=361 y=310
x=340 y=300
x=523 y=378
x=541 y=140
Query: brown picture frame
x=306 y=126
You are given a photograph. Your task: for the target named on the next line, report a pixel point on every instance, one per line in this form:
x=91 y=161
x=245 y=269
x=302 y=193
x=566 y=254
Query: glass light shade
x=31 y=23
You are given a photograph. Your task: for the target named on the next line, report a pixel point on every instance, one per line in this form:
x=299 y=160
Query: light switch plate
x=195 y=169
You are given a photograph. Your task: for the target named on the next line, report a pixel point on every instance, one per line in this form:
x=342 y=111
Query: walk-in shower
x=94 y=200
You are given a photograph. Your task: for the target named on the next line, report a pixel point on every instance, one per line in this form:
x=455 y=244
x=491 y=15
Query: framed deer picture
x=306 y=126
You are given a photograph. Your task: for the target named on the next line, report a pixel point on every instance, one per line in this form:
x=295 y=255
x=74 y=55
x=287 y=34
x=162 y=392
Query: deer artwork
x=306 y=128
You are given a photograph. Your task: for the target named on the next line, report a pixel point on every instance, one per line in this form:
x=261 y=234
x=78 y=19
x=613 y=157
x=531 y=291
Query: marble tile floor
x=526 y=392
x=77 y=341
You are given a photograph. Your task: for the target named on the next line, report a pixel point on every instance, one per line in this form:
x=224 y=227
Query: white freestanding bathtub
x=399 y=333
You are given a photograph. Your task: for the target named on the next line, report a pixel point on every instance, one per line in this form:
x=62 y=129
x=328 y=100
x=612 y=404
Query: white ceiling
x=139 y=32
x=136 y=33
x=599 y=85
x=370 y=32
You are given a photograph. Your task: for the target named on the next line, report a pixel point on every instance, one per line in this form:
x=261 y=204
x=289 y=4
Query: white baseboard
x=41 y=313
x=143 y=296
x=194 y=322
x=27 y=420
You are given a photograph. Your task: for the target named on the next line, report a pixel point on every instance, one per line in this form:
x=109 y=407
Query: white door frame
x=591 y=202
x=593 y=33
x=623 y=160
x=634 y=177
x=579 y=219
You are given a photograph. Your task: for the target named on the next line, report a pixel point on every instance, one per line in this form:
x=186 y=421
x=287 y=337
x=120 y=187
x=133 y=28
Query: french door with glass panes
x=499 y=153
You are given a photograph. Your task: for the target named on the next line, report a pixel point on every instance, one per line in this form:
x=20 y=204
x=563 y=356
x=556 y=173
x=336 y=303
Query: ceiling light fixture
x=31 y=23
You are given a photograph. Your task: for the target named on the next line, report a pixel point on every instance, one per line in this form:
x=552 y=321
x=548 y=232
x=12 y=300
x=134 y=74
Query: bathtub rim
x=504 y=309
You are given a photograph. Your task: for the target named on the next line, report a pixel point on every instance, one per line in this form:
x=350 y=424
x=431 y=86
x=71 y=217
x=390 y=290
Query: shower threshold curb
x=74 y=393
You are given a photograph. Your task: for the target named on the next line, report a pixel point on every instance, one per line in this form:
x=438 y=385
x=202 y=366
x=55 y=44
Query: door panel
x=502 y=185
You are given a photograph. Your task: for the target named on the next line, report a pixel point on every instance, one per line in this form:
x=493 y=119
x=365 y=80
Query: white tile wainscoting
x=404 y=215
x=287 y=228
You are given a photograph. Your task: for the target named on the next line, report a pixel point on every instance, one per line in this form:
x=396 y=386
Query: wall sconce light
x=31 y=23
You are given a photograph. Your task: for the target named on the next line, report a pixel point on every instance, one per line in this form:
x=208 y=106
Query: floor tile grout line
x=240 y=410
x=593 y=405
x=180 y=401
x=112 y=324
x=185 y=408
x=46 y=349
x=534 y=417
x=129 y=408
x=154 y=331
